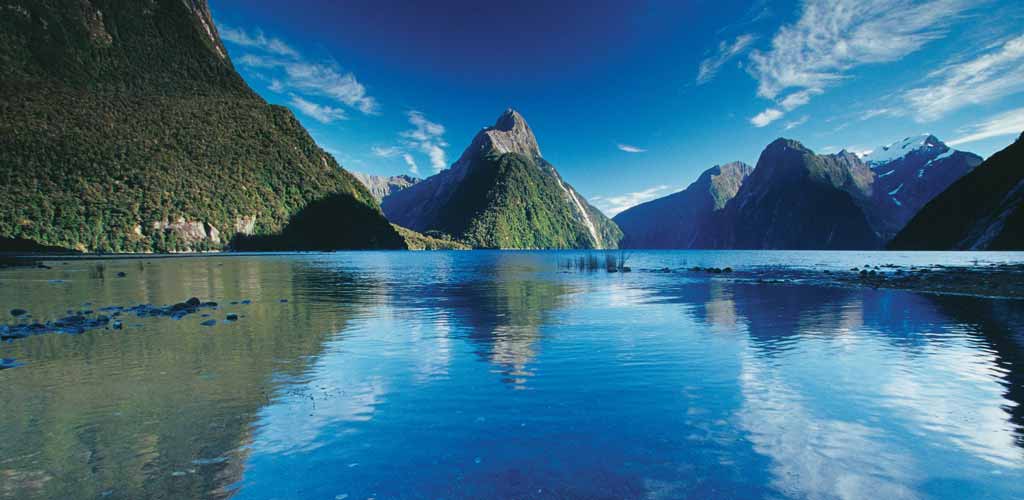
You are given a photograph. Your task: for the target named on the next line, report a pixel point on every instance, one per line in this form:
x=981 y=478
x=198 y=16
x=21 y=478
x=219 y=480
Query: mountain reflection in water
x=496 y=374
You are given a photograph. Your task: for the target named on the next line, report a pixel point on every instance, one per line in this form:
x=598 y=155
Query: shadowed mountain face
x=501 y=193
x=796 y=199
x=683 y=219
x=126 y=129
x=909 y=174
x=981 y=211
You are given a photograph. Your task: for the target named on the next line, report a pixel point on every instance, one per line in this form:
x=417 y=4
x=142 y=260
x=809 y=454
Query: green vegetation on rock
x=516 y=202
x=420 y=241
x=125 y=128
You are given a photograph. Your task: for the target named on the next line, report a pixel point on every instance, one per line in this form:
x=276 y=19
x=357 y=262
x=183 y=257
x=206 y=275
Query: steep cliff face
x=125 y=128
x=984 y=210
x=686 y=219
x=501 y=193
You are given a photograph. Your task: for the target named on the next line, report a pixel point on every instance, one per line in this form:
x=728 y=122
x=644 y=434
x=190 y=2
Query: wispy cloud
x=726 y=50
x=411 y=162
x=1008 y=123
x=293 y=73
x=427 y=137
x=796 y=123
x=318 y=112
x=630 y=149
x=320 y=79
x=256 y=40
x=612 y=205
x=832 y=37
x=765 y=117
x=996 y=73
x=385 y=151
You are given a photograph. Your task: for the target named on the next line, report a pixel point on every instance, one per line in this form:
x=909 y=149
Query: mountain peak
x=890 y=152
x=510 y=134
x=509 y=120
x=783 y=143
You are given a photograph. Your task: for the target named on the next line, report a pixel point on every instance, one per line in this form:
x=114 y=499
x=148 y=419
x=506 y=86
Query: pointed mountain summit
x=684 y=219
x=501 y=193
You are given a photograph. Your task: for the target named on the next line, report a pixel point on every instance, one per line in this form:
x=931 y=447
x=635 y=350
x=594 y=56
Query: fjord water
x=500 y=375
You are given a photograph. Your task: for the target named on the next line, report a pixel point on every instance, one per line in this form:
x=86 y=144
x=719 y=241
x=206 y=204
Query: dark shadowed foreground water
x=498 y=375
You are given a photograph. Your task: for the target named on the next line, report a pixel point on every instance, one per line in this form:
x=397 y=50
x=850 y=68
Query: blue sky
x=632 y=100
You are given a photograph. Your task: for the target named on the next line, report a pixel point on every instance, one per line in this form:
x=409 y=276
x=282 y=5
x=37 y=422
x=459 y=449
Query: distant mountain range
x=687 y=218
x=381 y=186
x=796 y=199
x=127 y=129
x=502 y=193
x=983 y=210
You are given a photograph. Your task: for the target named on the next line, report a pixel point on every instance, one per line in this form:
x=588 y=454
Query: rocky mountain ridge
x=381 y=187
x=683 y=219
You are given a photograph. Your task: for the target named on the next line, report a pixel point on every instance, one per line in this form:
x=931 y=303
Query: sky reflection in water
x=485 y=374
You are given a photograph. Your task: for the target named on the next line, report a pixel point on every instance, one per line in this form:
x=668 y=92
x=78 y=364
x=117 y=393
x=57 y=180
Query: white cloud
x=385 y=151
x=871 y=113
x=985 y=78
x=832 y=37
x=411 y=162
x=427 y=138
x=1008 y=123
x=765 y=117
x=257 y=40
x=318 y=112
x=612 y=205
x=797 y=99
x=297 y=75
x=630 y=149
x=709 y=67
x=796 y=123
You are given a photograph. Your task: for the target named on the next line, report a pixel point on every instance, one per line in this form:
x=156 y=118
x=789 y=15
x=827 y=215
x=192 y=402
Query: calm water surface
x=498 y=375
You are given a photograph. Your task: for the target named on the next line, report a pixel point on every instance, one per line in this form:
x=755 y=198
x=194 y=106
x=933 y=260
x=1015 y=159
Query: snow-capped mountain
x=885 y=154
x=909 y=173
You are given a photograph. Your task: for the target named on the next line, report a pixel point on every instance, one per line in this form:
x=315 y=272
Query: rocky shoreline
x=1000 y=281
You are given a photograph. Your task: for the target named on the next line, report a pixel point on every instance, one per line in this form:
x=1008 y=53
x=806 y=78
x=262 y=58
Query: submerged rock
x=82 y=321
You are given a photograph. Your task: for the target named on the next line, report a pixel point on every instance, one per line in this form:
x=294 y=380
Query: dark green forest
x=125 y=128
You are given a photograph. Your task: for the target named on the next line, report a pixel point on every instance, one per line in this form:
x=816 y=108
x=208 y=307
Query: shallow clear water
x=496 y=374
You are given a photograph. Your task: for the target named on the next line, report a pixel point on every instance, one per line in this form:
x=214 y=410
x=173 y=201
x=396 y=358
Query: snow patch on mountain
x=942 y=156
x=886 y=154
